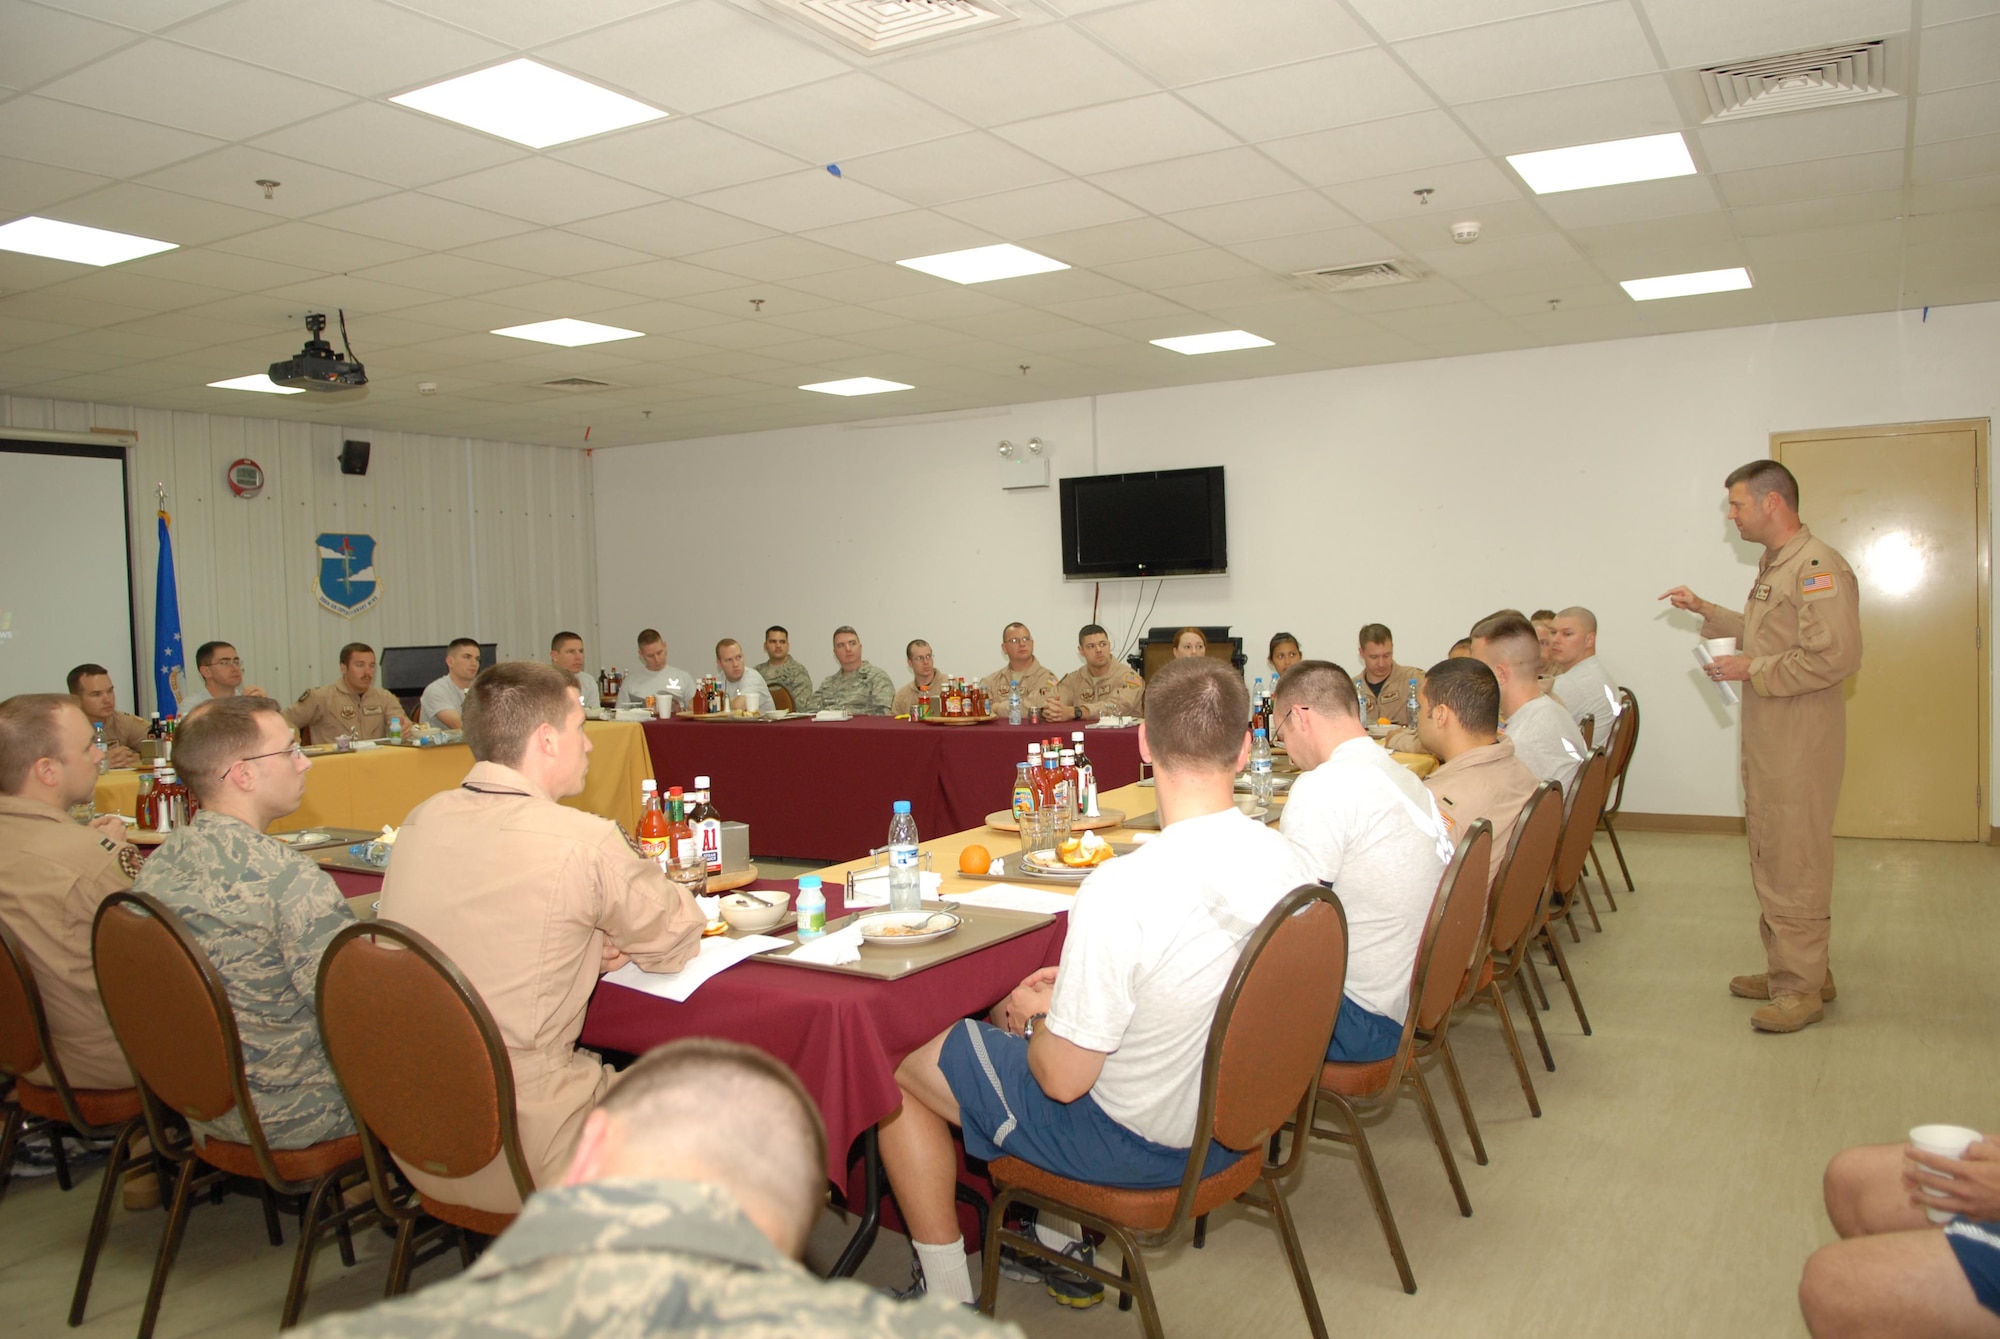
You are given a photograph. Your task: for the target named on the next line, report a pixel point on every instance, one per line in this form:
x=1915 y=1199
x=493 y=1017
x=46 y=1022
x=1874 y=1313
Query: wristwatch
x=1028 y=1028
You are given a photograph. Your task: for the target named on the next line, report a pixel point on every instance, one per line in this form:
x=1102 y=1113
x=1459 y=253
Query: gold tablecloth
x=373 y=787
x=1420 y=763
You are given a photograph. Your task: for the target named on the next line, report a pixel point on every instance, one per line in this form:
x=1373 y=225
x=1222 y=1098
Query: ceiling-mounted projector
x=317 y=368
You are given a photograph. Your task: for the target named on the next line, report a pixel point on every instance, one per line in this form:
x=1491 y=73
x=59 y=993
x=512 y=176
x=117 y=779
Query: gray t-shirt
x=666 y=682
x=751 y=686
x=441 y=694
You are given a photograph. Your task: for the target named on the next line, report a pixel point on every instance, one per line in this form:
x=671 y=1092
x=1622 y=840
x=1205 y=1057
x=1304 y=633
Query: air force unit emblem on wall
x=347 y=574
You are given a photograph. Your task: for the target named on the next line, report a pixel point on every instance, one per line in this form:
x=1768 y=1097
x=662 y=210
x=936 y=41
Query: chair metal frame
x=1466 y=873
x=1524 y=877
x=421 y=1221
x=1623 y=743
x=1133 y=1282
x=36 y=1049
x=1565 y=882
x=177 y=1145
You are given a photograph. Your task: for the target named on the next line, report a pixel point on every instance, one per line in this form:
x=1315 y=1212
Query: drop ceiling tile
x=777 y=258
x=1527 y=55
x=1430 y=293
x=1705 y=32
x=44 y=307
x=193 y=90
x=1010 y=326
x=1317 y=250
x=1955 y=113
x=76 y=353
x=1804 y=181
x=1690 y=229
x=1975 y=157
x=1184 y=41
x=666 y=278
x=1951 y=11
x=942 y=300
x=363 y=46
x=1377 y=149
x=18 y=332
x=135 y=290
x=1633 y=201
x=697 y=55
x=222 y=269
x=526 y=23
x=1059 y=206
x=816 y=350
x=1118 y=134
x=800 y=200
x=183 y=330
x=230 y=176
x=316 y=248
x=1767 y=220
x=471 y=315
x=543 y=190
x=868 y=283
x=1960 y=53
x=1273 y=216
x=1586 y=113
x=908 y=337
x=914 y=232
x=1229 y=294
x=553 y=251
x=1490 y=256
x=955 y=168
x=1312 y=95
x=1207 y=265
x=151 y=17
x=1966 y=193
x=674 y=228
x=1198 y=180
x=332 y=292
x=27 y=188
x=126 y=207
x=679 y=156
x=1770 y=254
x=421 y=221
x=1960 y=224
x=1500 y=221
x=91 y=141
x=839 y=118
x=42 y=43
x=1395 y=20
x=781 y=304
x=1009 y=75
x=1461 y=190
x=1045 y=290
x=1679 y=256
x=1127 y=307
x=452 y=276
x=1528 y=292
x=389 y=143
x=1829 y=132
x=1068 y=340
x=837 y=320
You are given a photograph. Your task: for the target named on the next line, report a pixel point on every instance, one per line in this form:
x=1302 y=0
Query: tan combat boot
x=142 y=1191
x=1758 y=987
x=1787 y=1013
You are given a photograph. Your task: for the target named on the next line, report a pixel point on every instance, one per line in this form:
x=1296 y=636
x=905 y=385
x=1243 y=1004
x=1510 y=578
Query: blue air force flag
x=168 y=662
x=347 y=573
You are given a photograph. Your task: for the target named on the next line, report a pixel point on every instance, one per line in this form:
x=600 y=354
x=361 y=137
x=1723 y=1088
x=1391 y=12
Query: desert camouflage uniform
x=794 y=678
x=630 y=1257
x=866 y=692
x=124 y=730
x=263 y=914
x=1038 y=687
x=334 y=709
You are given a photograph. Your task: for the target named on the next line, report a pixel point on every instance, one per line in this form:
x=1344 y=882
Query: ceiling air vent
x=1370 y=274
x=574 y=384
x=1858 y=72
x=874 y=26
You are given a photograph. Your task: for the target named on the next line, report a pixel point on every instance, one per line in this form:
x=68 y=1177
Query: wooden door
x=1906 y=505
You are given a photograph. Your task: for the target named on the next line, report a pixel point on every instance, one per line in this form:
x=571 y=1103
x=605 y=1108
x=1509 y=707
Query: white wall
x=1422 y=495
x=473 y=538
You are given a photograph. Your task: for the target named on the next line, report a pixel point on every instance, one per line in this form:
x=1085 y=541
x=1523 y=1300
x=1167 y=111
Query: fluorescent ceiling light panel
x=1686 y=285
x=1647 y=158
x=72 y=241
x=568 y=332
x=1216 y=341
x=260 y=382
x=530 y=104
x=857 y=386
x=984 y=263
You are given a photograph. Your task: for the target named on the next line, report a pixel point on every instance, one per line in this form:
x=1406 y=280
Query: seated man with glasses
x=221 y=671
x=262 y=913
x=1038 y=681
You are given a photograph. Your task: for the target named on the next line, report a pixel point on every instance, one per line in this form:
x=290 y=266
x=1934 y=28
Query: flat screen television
x=1157 y=523
x=407 y=670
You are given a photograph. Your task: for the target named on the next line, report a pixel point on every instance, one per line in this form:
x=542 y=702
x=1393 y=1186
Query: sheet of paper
x=1014 y=897
x=716 y=955
x=872 y=888
x=842 y=946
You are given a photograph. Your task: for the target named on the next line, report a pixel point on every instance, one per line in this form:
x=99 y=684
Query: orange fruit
x=974 y=859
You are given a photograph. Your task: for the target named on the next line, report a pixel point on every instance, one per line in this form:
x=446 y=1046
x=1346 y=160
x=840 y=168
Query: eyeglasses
x=1278 y=732
x=295 y=750
x=233 y=663
x=1019 y=641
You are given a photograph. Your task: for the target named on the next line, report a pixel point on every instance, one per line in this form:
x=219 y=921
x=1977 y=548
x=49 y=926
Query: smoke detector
x=1369 y=274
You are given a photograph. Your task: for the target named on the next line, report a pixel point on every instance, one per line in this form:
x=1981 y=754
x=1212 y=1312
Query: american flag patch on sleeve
x=1817 y=581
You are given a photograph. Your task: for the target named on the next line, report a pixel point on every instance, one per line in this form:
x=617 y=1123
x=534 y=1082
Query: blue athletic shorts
x=1977 y=1246
x=1360 y=1036
x=1003 y=1110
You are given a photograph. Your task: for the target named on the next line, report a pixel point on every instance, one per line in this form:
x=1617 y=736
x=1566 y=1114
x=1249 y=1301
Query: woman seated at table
x=1189 y=643
x=1284 y=652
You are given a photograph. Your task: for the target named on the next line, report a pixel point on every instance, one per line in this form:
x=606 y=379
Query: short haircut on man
x=30 y=730
x=351 y=650
x=911 y=649
x=673 y=1104
x=1512 y=638
x=1766 y=476
x=205 y=654
x=845 y=629
x=1581 y=615
x=726 y=641
x=1010 y=627
x=1091 y=630
x=457 y=642
x=82 y=672
x=556 y=642
x=1375 y=634
x=1196 y=709
x=1463 y=646
x=649 y=637
x=1542 y=615
x=1468 y=687
x=777 y=628
x=1319 y=684
x=206 y=744
x=508 y=702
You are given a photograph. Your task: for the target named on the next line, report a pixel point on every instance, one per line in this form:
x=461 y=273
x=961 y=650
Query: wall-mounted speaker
x=354 y=457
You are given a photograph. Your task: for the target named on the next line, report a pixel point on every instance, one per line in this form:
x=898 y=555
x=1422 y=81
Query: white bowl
x=752 y=917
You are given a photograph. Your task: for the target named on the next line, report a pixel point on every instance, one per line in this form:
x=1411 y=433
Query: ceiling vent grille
x=1370 y=274
x=575 y=384
x=874 y=26
x=1823 y=77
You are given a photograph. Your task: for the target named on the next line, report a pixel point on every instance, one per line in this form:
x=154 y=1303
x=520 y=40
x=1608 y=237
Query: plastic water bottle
x=1412 y=704
x=906 y=885
x=1361 y=703
x=396 y=730
x=811 y=907
x=101 y=749
x=1260 y=768
x=1013 y=702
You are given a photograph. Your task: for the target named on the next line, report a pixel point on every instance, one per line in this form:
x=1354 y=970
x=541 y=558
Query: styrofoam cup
x=1720 y=646
x=1944 y=1141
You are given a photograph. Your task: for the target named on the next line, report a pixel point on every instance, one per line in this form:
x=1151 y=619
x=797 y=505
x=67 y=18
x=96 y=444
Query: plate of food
x=1074 y=858
x=958 y=720
x=907 y=927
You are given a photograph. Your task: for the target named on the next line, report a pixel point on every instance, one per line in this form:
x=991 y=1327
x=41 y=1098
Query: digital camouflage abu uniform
x=866 y=692
x=794 y=678
x=631 y=1257
x=263 y=914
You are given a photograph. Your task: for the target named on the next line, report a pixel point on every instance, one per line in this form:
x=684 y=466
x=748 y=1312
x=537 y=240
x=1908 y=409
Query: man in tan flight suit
x=1384 y=685
x=1799 y=636
x=1458 y=719
x=1038 y=682
x=123 y=732
x=351 y=705
x=1099 y=688
x=533 y=900
x=925 y=675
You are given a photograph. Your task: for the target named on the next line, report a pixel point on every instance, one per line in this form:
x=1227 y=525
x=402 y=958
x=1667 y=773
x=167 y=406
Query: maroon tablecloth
x=815 y=790
x=842 y=1035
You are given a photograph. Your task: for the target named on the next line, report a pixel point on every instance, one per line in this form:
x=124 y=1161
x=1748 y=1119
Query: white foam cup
x=1720 y=646
x=1944 y=1141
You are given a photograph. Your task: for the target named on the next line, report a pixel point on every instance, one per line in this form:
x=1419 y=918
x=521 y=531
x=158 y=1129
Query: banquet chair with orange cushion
x=1270 y=1033
x=781 y=698
x=170 y=1012
x=1624 y=739
x=55 y=1109
x=1586 y=800
x=426 y=1075
x=1451 y=938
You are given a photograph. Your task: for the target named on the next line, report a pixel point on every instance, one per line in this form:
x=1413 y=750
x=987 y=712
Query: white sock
x=944 y=1270
x=1056 y=1232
